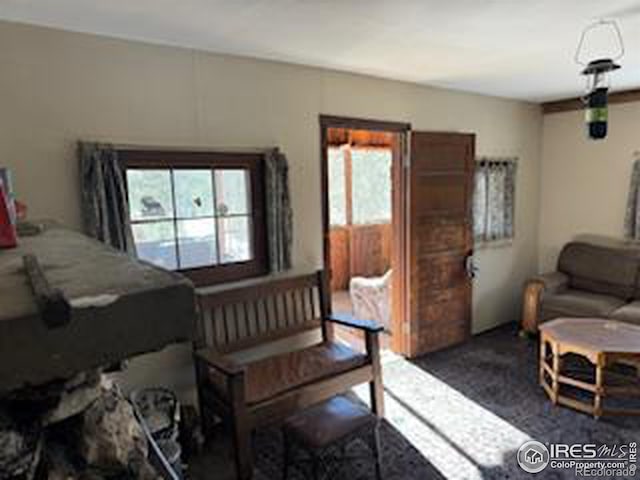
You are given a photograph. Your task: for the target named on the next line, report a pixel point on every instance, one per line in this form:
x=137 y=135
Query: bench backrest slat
x=236 y=319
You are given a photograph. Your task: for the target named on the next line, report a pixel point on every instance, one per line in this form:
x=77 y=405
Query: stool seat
x=329 y=422
x=333 y=423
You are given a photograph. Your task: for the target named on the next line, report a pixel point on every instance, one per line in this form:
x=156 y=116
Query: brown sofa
x=591 y=280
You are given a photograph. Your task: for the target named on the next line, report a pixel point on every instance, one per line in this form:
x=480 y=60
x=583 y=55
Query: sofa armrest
x=552 y=282
x=535 y=289
x=218 y=362
x=357 y=323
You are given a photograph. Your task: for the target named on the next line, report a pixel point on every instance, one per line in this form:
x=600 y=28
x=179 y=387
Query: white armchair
x=371 y=298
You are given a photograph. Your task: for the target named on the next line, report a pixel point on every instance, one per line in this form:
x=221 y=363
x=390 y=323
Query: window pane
x=194 y=193
x=234 y=237
x=197 y=242
x=149 y=194
x=232 y=192
x=371 y=184
x=337 y=194
x=155 y=242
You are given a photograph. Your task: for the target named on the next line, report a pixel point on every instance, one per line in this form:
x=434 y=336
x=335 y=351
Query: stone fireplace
x=61 y=416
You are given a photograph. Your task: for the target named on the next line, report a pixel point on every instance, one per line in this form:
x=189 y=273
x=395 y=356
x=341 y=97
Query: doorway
x=398 y=245
x=362 y=172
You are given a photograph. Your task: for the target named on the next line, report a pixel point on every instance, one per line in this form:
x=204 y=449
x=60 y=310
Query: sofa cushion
x=600 y=269
x=275 y=375
x=577 y=303
x=629 y=313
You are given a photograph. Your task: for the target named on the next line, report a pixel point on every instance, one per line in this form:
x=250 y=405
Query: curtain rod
x=497 y=159
x=191 y=148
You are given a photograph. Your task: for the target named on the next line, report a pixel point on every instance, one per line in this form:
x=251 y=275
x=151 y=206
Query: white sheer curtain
x=494 y=200
x=632 y=217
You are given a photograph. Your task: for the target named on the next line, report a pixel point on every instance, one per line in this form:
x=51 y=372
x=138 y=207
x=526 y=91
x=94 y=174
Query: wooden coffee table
x=603 y=343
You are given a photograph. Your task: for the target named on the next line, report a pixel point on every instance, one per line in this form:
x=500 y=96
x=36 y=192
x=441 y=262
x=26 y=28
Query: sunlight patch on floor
x=456 y=435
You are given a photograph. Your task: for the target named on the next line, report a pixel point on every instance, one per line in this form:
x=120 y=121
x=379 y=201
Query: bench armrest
x=352 y=322
x=219 y=362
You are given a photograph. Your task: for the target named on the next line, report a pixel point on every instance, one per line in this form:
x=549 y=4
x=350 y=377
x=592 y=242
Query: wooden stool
x=332 y=423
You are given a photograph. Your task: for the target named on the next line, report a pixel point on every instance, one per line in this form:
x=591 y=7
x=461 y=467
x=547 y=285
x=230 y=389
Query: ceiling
x=511 y=48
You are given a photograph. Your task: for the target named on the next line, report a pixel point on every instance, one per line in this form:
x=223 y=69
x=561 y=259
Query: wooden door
x=439 y=240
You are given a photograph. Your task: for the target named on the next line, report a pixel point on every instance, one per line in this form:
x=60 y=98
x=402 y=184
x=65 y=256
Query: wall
x=584 y=182
x=57 y=87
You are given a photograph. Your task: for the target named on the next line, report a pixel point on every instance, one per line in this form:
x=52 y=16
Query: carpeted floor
x=460 y=413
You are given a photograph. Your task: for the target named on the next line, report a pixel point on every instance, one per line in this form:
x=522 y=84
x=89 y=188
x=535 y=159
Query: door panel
x=440 y=179
x=450 y=234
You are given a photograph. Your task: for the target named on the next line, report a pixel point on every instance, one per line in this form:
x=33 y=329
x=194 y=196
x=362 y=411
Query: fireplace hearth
x=81 y=429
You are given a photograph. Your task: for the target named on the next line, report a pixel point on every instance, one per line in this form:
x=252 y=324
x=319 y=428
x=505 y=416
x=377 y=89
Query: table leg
x=597 y=399
x=555 y=385
x=543 y=355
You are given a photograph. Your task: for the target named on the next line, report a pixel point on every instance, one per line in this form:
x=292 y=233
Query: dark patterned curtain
x=494 y=200
x=105 y=207
x=279 y=213
x=632 y=216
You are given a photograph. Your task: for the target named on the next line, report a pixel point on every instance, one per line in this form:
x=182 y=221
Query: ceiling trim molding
x=571 y=104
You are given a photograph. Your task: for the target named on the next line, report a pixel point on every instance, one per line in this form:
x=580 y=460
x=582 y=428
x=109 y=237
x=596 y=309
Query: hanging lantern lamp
x=597 y=72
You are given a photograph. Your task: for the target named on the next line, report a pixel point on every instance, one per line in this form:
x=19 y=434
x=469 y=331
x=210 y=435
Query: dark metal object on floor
x=164 y=457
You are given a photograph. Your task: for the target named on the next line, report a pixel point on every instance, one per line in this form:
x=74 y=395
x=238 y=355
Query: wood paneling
x=440 y=189
x=338 y=137
x=370 y=250
x=340 y=263
x=359 y=250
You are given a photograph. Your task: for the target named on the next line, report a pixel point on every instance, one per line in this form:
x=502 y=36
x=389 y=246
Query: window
x=359 y=185
x=337 y=187
x=201 y=213
x=371 y=190
x=494 y=200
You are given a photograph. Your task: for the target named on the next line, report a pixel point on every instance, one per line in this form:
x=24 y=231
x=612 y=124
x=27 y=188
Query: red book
x=8 y=237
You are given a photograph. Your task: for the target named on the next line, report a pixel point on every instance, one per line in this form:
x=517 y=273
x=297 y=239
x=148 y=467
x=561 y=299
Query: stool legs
x=316 y=459
x=287 y=450
x=375 y=448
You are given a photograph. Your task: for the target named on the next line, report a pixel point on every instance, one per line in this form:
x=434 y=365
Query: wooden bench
x=250 y=394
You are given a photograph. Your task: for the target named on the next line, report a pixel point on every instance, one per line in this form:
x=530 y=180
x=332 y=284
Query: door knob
x=470 y=266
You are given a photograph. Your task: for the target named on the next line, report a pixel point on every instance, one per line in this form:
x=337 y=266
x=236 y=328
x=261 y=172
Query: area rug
x=469 y=409
x=400 y=460
x=461 y=413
